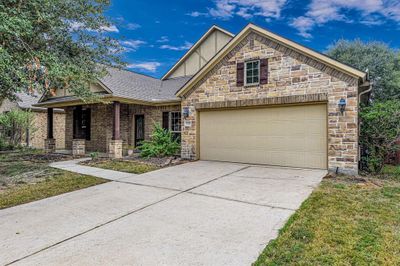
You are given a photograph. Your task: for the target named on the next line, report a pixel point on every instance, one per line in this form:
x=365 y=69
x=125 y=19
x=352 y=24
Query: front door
x=139 y=129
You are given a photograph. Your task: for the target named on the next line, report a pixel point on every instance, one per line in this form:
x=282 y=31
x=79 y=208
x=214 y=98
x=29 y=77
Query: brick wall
x=102 y=123
x=290 y=73
x=40 y=131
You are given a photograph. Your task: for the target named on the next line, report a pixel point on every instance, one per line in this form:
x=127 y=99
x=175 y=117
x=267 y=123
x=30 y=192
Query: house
x=35 y=138
x=254 y=97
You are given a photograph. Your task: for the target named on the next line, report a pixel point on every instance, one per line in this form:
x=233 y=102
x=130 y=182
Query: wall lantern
x=185 y=112
x=342 y=105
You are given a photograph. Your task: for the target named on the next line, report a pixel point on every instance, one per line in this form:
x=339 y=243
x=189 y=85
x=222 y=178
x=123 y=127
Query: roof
x=128 y=84
x=27 y=101
x=194 y=47
x=121 y=84
x=281 y=40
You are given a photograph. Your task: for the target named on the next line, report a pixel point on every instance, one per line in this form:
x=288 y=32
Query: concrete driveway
x=200 y=213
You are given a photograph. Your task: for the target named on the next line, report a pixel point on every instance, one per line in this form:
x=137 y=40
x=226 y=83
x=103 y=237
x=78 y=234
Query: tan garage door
x=286 y=136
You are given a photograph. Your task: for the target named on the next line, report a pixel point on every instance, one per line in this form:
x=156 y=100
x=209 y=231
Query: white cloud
x=304 y=25
x=110 y=28
x=132 y=26
x=196 y=14
x=147 y=66
x=226 y=9
x=244 y=13
x=185 y=46
x=163 y=39
x=132 y=45
x=369 y=12
x=74 y=25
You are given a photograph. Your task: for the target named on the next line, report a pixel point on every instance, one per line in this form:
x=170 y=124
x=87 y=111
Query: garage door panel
x=288 y=136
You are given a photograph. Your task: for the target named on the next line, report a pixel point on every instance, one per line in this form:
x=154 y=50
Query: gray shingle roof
x=26 y=101
x=127 y=84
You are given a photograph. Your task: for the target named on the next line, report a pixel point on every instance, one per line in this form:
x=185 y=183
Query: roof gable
x=200 y=53
x=350 y=71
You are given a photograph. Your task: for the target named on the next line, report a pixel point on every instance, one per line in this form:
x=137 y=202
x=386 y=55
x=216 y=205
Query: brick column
x=115 y=145
x=50 y=142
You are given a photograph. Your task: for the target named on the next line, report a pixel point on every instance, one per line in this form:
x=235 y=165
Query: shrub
x=14 y=125
x=94 y=155
x=162 y=143
x=380 y=128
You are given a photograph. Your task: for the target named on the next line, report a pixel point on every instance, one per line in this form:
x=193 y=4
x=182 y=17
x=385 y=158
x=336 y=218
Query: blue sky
x=157 y=33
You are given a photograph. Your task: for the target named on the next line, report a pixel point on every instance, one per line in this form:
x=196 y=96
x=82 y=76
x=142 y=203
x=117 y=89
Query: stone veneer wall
x=102 y=123
x=290 y=73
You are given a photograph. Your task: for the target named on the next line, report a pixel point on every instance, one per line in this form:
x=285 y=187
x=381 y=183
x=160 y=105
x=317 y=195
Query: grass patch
x=124 y=166
x=25 y=176
x=342 y=223
x=56 y=184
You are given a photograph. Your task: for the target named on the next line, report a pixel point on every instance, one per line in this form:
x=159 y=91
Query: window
x=252 y=72
x=172 y=122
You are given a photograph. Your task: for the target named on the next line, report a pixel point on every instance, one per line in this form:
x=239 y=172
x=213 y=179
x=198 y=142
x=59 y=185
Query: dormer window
x=252 y=73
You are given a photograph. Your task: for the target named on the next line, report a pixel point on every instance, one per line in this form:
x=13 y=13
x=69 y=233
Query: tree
x=50 y=44
x=382 y=62
x=14 y=125
x=380 y=129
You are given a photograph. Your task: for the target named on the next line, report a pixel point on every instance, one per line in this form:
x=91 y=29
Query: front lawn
x=25 y=176
x=133 y=167
x=344 y=222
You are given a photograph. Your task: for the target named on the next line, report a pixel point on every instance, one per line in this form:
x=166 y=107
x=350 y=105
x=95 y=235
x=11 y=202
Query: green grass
x=342 y=223
x=25 y=176
x=56 y=184
x=124 y=166
x=392 y=171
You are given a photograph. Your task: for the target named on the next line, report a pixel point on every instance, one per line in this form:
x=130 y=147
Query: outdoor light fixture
x=185 y=112
x=342 y=105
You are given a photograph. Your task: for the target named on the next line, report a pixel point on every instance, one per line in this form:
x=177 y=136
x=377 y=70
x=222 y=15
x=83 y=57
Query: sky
x=157 y=33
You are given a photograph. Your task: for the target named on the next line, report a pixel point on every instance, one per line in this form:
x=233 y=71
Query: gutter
x=370 y=85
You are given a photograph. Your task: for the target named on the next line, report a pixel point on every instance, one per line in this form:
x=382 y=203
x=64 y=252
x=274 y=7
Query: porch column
x=115 y=145
x=50 y=123
x=116 y=121
x=50 y=142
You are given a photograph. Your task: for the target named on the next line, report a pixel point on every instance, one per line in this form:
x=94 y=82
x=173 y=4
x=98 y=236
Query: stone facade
x=78 y=147
x=102 y=124
x=115 y=149
x=289 y=74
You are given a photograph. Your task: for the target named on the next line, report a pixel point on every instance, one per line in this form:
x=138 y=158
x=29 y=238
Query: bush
x=14 y=125
x=162 y=143
x=380 y=128
x=94 y=155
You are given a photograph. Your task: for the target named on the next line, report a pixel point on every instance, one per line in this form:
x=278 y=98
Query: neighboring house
x=36 y=137
x=253 y=98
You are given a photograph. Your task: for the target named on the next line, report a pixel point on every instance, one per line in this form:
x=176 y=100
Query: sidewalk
x=74 y=166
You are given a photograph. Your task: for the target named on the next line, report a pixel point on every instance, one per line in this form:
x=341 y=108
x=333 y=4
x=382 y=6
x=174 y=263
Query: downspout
x=360 y=122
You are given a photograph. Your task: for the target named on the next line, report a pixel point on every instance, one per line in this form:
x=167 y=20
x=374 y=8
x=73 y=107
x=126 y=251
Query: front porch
x=110 y=129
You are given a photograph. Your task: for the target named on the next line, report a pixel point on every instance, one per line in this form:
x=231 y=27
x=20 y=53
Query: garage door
x=293 y=136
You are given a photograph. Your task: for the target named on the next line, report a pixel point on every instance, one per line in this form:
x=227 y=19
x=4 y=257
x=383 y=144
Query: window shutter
x=165 y=120
x=264 y=71
x=240 y=74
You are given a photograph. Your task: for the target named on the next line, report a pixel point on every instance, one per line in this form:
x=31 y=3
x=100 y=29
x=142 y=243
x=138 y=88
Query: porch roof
x=129 y=87
x=128 y=84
